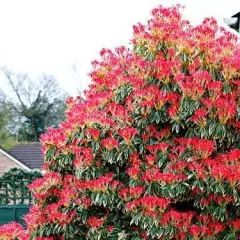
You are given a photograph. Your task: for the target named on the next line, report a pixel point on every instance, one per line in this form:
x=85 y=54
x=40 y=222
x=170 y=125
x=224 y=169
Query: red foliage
x=152 y=151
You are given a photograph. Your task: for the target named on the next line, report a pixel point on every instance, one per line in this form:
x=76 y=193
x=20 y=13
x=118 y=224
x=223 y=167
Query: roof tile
x=30 y=154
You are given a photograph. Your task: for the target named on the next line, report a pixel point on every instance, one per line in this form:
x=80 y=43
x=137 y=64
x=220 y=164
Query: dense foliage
x=20 y=174
x=153 y=150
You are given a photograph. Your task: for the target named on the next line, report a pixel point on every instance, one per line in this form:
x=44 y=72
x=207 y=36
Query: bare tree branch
x=40 y=102
x=15 y=85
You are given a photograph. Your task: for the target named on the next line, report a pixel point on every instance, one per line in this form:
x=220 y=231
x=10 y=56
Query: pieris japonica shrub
x=13 y=231
x=153 y=150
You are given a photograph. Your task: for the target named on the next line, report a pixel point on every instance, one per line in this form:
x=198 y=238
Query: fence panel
x=12 y=213
x=15 y=199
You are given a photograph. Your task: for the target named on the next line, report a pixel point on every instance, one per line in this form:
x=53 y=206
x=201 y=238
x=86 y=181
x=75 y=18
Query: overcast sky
x=50 y=36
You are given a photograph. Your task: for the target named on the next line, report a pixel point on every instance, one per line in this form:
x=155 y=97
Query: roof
x=30 y=154
x=13 y=158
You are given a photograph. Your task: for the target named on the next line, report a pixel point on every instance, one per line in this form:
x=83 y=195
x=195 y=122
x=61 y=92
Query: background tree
x=79 y=88
x=38 y=103
x=6 y=136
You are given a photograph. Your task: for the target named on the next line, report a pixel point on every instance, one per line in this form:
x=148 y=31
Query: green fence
x=12 y=213
x=15 y=199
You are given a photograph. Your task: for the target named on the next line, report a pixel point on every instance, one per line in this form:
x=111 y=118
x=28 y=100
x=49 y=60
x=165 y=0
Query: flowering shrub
x=153 y=151
x=13 y=231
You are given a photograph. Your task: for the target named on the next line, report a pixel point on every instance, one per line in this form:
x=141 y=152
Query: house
x=26 y=156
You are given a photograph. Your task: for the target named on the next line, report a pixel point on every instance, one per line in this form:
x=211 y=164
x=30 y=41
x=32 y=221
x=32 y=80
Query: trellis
x=14 y=187
x=15 y=192
x=15 y=197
